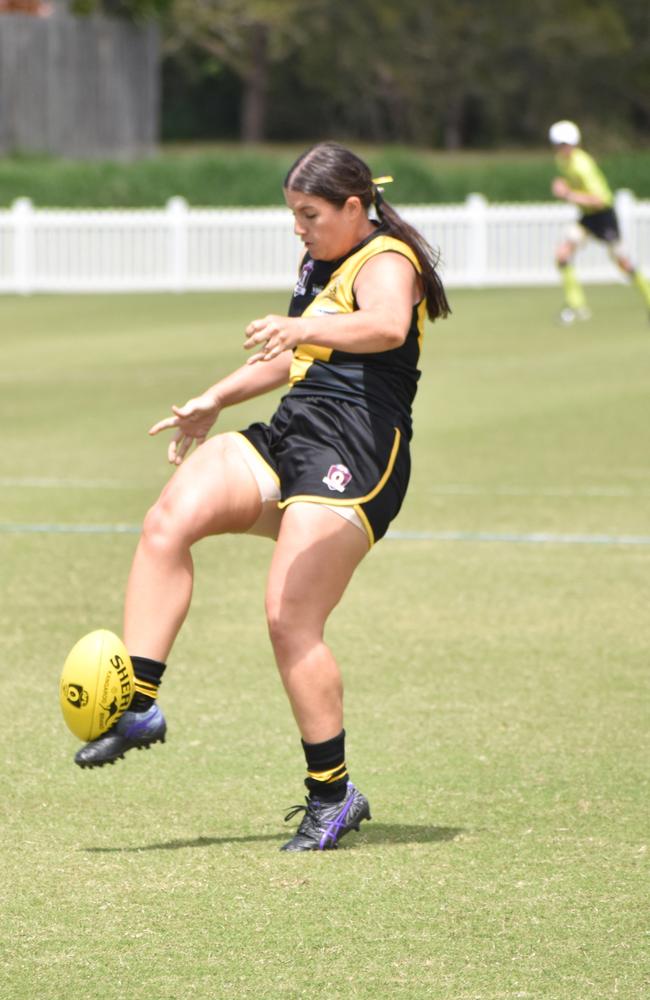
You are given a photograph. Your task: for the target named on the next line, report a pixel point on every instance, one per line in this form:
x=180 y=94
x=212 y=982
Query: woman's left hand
x=274 y=334
x=192 y=423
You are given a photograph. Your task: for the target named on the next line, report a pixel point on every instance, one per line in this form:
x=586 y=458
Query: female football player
x=324 y=478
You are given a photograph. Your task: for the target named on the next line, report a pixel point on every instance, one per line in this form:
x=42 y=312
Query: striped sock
x=327 y=775
x=148 y=675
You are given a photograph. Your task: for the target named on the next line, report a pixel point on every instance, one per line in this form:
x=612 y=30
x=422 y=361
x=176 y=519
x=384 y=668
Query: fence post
x=22 y=217
x=177 y=214
x=476 y=205
x=625 y=204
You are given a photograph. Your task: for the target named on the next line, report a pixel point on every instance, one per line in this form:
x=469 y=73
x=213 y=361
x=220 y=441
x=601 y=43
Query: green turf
x=225 y=174
x=497 y=692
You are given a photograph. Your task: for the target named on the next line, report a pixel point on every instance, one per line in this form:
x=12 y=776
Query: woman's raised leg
x=212 y=492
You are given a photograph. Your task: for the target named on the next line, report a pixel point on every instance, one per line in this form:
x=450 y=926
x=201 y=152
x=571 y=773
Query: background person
x=583 y=184
x=324 y=478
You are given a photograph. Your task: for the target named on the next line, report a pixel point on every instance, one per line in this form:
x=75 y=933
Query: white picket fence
x=179 y=248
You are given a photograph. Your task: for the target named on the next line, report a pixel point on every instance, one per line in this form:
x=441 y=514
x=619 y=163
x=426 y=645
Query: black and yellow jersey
x=583 y=174
x=384 y=382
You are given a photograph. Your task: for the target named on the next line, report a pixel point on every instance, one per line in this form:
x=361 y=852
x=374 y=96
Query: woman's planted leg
x=315 y=556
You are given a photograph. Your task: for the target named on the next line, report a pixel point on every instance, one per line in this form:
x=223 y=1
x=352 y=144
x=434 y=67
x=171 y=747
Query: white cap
x=564 y=133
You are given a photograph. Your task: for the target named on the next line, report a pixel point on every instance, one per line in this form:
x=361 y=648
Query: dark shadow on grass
x=178 y=845
x=372 y=833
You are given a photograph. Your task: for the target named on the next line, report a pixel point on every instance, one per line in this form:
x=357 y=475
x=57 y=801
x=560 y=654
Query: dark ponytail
x=334 y=173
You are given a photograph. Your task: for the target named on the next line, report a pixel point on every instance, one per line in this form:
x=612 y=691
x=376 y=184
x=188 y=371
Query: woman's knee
x=277 y=621
x=290 y=627
x=162 y=529
x=212 y=493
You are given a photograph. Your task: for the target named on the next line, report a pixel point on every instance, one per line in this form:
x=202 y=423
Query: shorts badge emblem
x=337 y=478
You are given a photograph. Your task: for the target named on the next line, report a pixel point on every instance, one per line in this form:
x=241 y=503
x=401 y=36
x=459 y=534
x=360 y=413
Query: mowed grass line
x=497 y=695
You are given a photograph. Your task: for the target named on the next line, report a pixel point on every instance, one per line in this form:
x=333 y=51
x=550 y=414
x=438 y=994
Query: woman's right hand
x=193 y=422
x=560 y=187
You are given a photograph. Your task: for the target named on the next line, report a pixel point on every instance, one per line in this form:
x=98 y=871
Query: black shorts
x=334 y=452
x=603 y=225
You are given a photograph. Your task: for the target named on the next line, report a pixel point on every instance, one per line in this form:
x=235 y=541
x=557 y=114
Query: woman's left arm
x=386 y=289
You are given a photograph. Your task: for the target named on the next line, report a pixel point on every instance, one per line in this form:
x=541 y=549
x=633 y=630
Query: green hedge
x=232 y=176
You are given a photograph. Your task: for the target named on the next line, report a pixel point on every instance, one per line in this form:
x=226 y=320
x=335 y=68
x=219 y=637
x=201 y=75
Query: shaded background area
x=87 y=76
x=447 y=74
x=78 y=86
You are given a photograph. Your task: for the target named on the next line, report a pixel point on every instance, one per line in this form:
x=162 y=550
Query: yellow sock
x=643 y=285
x=573 y=293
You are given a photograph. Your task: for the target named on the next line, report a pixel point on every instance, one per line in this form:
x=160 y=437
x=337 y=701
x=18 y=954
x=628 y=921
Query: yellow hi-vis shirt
x=584 y=175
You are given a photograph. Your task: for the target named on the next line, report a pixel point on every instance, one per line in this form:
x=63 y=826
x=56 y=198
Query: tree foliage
x=445 y=73
x=132 y=10
x=249 y=38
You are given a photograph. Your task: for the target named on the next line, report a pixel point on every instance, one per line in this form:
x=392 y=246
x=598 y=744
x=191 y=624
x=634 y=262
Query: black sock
x=148 y=675
x=327 y=775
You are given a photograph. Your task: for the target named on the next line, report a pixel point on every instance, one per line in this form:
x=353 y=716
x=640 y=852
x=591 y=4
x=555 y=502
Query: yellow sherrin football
x=97 y=684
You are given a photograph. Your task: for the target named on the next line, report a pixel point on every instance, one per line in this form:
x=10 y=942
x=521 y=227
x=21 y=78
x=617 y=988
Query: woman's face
x=327 y=231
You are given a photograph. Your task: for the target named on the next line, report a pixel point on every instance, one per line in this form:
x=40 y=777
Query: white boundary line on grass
x=458 y=490
x=440 y=489
x=531 y=538
x=52 y=482
x=69 y=529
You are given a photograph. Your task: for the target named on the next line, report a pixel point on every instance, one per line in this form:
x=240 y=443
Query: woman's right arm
x=196 y=417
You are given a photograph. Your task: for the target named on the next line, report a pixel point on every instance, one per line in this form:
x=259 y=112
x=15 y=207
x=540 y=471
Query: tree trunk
x=452 y=129
x=253 y=116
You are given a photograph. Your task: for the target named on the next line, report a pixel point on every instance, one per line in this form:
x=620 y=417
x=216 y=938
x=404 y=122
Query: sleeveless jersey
x=384 y=382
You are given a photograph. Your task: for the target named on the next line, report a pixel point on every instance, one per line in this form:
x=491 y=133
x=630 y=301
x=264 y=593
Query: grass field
x=495 y=652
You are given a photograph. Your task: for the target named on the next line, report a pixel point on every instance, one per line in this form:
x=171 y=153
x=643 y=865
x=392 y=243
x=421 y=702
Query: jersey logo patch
x=332 y=290
x=337 y=478
x=305 y=274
